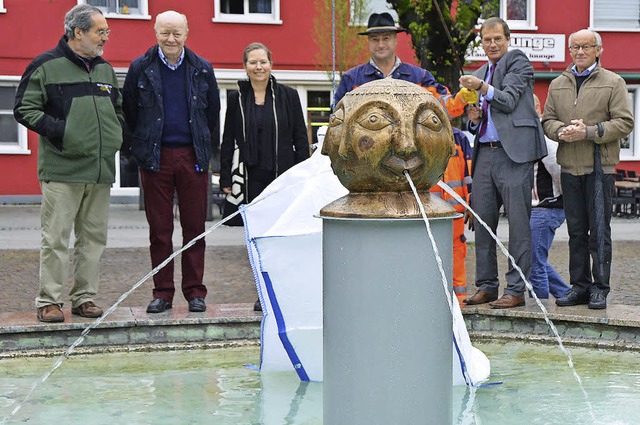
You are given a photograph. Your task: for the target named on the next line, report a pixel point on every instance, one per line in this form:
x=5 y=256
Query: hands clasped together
x=577 y=130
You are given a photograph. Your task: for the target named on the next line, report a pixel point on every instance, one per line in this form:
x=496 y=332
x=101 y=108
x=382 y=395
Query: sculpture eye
x=336 y=118
x=429 y=119
x=375 y=121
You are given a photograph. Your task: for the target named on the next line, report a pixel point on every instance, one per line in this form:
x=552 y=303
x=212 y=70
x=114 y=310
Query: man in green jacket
x=587 y=112
x=70 y=97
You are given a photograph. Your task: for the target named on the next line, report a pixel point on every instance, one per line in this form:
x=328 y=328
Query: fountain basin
x=215 y=386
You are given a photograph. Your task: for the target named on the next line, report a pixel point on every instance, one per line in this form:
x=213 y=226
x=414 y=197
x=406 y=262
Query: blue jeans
x=543 y=278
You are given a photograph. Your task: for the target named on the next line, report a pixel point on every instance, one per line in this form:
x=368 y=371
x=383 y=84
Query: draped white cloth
x=284 y=241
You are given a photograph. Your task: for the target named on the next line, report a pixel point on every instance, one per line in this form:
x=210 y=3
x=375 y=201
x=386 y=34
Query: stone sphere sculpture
x=376 y=133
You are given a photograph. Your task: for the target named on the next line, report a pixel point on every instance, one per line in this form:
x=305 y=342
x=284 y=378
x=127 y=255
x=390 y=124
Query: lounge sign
x=537 y=47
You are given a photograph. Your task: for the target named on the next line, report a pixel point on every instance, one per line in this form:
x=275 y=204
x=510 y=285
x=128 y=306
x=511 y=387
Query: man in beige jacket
x=587 y=112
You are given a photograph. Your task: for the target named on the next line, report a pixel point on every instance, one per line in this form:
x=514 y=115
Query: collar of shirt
x=88 y=62
x=584 y=73
x=171 y=66
x=395 y=66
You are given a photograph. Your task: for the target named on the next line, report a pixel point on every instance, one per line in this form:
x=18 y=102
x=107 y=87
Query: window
x=13 y=136
x=615 y=15
x=247 y=11
x=2 y=9
x=629 y=150
x=125 y=9
x=519 y=14
x=362 y=9
x=318 y=111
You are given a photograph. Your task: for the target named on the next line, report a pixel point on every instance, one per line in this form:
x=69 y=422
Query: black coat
x=143 y=109
x=291 y=133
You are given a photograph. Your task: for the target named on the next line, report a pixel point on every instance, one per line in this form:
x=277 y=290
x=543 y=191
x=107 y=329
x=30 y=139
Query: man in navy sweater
x=172 y=107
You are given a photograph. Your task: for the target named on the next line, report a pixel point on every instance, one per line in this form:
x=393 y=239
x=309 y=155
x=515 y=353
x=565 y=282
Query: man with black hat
x=383 y=40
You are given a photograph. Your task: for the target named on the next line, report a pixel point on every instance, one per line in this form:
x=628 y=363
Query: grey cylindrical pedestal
x=387 y=325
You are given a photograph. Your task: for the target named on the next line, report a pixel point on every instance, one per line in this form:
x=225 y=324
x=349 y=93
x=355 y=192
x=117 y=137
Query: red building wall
x=31 y=27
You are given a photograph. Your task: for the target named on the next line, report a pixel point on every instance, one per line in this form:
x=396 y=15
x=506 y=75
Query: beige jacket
x=602 y=99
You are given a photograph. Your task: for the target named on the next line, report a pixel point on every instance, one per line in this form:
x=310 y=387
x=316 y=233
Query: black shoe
x=158 y=305
x=257 y=306
x=572 y=297
x=197 y=305
x=597 y=301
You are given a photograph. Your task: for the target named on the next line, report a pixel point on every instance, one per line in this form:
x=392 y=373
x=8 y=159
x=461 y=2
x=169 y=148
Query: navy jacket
x=365 y=73
x=143 y=109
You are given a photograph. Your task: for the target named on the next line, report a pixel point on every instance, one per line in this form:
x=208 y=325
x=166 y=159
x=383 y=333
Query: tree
x=351 y=49
x=442 y=31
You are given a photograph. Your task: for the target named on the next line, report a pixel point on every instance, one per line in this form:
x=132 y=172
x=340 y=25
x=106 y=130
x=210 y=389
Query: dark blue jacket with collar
x=144 y=114
x=365 y=73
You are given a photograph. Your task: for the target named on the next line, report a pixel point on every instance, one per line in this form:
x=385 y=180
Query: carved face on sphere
x=382 y=129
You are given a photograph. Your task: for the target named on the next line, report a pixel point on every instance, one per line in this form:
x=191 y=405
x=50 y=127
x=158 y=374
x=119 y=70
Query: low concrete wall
x=131 y=327
x=616 y=327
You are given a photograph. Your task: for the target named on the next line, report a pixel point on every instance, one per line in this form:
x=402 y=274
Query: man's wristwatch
x=480 y=86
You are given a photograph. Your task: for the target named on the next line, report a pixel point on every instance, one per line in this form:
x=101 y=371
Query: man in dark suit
x=508 y=141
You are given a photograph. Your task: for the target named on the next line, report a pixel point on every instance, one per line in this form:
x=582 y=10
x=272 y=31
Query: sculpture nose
x=405 y=152
x=402 y=141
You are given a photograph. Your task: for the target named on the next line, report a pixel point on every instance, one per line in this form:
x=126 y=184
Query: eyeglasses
x=103 y=33
x=497 y=40
x=586 y=48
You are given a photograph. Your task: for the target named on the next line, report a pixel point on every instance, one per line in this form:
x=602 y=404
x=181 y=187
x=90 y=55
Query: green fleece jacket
x=77 y=113
x=603 y=98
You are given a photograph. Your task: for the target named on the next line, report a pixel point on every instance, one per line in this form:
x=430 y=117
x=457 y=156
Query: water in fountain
x=205 y=386
x=528 y=285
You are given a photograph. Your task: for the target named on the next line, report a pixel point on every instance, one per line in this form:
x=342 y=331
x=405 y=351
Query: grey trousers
x=83 y=208
x=497 y=181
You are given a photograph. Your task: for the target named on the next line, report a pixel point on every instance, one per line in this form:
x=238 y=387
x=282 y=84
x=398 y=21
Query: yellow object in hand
x=468 y=96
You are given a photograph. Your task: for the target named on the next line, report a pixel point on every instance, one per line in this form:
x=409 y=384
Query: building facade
x=220 y=29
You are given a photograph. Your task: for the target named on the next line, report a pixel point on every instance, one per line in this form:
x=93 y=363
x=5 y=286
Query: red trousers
x=177 y=175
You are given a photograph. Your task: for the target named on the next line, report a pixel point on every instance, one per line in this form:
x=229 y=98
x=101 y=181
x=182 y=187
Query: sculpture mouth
x=398 y=165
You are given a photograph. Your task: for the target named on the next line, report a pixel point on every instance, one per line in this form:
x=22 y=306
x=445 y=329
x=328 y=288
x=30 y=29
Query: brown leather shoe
x=480 y=297
x=50 y=313
x=507 y=301
x=87 y=309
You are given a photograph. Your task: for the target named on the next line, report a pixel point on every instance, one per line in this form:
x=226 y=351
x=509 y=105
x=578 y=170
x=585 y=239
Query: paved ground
x=228 y=275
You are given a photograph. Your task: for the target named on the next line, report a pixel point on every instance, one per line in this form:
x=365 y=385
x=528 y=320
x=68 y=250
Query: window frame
x=21 y=147
x=633 y=152
x=595 y=27
x=373 y=6
x=2 y=9
x=143 y=15
x=248 y=18
x=529 y=24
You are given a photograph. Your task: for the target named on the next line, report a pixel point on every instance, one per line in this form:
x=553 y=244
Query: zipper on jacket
x=95 y=105
x=595 y=70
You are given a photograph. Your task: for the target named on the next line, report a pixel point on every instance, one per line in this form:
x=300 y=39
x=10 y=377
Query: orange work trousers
x=459 y=255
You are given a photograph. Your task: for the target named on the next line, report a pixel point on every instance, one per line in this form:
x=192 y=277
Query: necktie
x=485 y=105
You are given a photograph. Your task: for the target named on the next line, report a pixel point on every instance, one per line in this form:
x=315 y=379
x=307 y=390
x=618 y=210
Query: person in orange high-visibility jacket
x=458 y=176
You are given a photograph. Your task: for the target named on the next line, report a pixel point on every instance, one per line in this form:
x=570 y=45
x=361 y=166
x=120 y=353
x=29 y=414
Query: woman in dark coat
x=264 y=131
